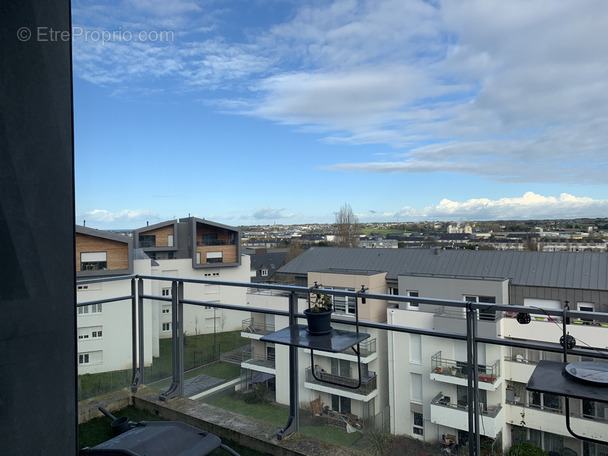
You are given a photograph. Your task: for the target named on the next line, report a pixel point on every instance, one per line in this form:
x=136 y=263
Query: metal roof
x=585 y=270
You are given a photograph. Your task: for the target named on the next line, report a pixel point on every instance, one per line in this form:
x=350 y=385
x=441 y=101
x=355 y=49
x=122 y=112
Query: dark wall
x=37 y=296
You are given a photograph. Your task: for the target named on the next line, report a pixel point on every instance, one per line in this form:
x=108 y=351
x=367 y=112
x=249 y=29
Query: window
x=412 y=305
x=94 y=308
x=96 y=334
x=166 y=309
x=215 y=257
x=147 y=240
x=344 y=304
x=416 y=348
x=198 y=257
x=166 y=292
x=166 y=327
x=170 y=240
x=210 y=239
x=586 y=307
x=83 y=359
x=340 y=404
x=484 y=314
x=93 y=261
x=264 y=272
x=418 y=428
x=417 y=388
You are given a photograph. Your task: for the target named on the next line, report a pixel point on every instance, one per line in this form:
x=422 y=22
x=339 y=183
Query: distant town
x=572 y=235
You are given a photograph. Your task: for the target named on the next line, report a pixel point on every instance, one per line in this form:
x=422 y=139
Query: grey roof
x=585 y=270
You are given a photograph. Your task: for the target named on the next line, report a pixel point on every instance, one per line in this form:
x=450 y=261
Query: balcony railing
x=249 y=357
x=486 y=410
x=253 y=327
x=460 y=369
x=368 y=385
x=138 y=297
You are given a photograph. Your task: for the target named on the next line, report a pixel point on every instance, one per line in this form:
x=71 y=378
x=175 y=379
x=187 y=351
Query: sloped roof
x=585 y=270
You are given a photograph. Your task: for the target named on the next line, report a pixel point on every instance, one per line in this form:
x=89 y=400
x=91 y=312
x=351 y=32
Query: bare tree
x=295 y=248
x=347 y=227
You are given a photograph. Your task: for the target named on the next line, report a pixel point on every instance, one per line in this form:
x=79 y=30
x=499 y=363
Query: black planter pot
x=319 y=323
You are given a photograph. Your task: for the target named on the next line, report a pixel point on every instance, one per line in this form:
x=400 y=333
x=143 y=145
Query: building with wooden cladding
x=207 y=244
x=101 y=253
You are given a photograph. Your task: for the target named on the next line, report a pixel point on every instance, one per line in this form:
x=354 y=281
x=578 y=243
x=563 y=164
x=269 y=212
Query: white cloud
x=268 y=213
x=126 y=218
x=516 y=91
x=528 y=206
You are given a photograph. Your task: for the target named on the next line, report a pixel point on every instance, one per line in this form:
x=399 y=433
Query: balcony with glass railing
x=192 y=364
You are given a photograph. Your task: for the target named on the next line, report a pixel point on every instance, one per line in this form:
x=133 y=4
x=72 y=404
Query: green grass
x=278 y=415
x=268 y=413
x=332 y=434
x=198 y=350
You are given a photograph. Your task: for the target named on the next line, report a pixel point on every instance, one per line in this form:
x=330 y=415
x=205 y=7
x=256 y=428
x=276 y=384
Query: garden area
x=201 y=355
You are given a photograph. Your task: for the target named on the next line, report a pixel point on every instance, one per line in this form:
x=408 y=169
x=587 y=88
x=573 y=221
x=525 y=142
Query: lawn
x=278 y=415
x=268 y=413
x=198 y=350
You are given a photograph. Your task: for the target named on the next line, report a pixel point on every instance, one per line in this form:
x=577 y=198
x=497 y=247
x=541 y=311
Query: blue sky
x=271 y=111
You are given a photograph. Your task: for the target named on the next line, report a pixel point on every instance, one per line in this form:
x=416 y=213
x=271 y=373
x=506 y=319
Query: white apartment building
x=189 y=248
x=104 y=329
x=426 y=377
x=194 y=248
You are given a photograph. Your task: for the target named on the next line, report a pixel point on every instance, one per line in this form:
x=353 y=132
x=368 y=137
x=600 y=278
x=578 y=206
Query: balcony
x=365 y=392
x=146 y=368
x=256 y=362
x=456 y=372
x=255 y=329
x=447 y=413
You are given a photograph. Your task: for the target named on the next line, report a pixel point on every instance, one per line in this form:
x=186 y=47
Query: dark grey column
x=38 y=355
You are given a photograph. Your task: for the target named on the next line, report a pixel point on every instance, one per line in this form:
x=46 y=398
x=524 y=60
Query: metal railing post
x=181 y=338
x=293 y=423
x=472 y=382
x=135 y=378
x=140 y=328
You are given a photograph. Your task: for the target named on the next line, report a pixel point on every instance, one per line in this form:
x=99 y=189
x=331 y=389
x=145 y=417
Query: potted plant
x=318 y=315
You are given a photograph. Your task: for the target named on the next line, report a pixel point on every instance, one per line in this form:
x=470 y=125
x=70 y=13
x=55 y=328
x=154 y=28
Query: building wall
x=162 y=235
x=374 y=309
x=111 y=351
x=562 y=294
x=117 y=252
x=228 y=253
x=198 y=319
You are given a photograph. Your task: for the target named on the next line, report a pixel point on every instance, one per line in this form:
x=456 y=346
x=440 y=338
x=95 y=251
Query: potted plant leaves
x=318 y=315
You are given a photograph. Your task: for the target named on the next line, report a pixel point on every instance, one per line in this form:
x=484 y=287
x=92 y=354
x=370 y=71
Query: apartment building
x=424 y=378
x=104 y=329
x=194 y=248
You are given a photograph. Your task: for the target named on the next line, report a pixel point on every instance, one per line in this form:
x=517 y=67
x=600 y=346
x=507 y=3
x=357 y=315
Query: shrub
x=526 y=449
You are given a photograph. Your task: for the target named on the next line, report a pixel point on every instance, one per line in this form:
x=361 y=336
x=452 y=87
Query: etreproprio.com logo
x=49 y=34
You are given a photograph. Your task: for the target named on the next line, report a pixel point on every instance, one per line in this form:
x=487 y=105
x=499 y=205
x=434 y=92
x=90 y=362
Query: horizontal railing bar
x=592 y=351
x=101 y=301
x=106 y=279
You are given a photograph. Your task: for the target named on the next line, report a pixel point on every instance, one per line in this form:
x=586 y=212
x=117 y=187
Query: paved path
x=200 y=383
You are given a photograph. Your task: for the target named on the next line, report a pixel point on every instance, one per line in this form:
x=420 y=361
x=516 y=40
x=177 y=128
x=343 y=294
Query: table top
x=335 y=341
x=551 y=377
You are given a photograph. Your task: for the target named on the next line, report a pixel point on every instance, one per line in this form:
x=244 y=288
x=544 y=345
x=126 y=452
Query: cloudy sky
x=263 y=111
